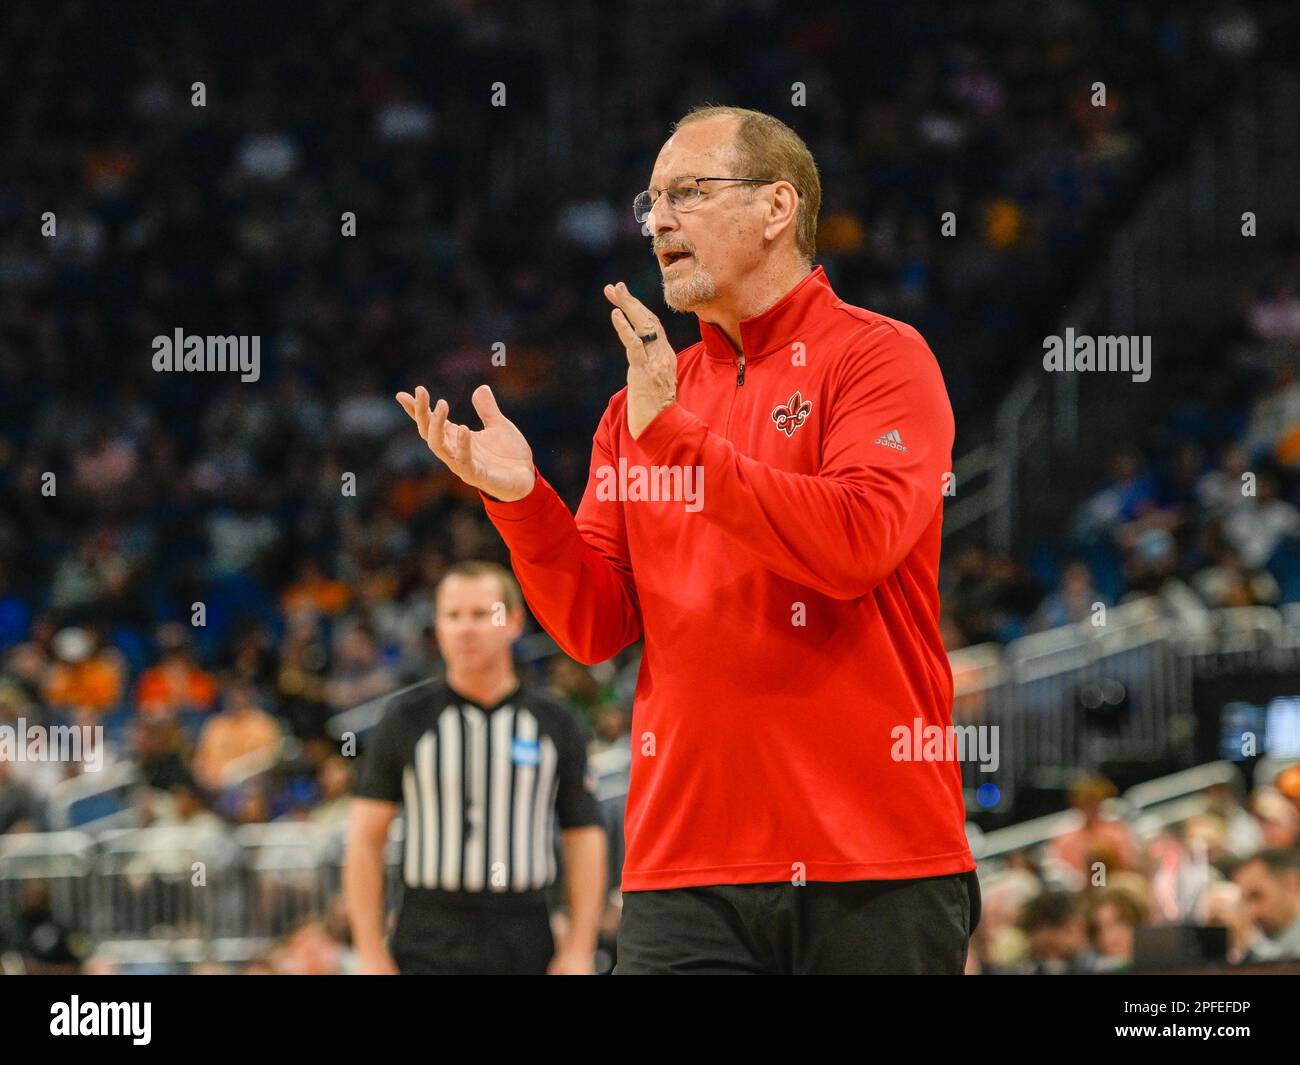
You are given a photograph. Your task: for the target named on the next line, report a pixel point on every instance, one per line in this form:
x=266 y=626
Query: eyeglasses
x=685 y=196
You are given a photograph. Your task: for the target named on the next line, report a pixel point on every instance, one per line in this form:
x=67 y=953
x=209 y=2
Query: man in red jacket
x=765 y=510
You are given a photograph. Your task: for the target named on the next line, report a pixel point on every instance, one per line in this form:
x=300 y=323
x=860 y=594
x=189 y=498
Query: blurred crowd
x=246 y=745
x=1080 y=903
x=1207 y=517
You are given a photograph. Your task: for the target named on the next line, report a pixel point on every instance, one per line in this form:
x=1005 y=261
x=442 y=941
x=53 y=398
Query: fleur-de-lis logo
x=792 y=414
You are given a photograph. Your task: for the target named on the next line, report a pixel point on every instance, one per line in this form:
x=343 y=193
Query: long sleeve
x=575 y=573
x=844 y=529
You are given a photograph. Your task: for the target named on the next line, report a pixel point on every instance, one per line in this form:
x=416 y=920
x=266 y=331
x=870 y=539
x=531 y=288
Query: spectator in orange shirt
x=240 y=730
x=314 y=587
x=84 y=676
x=176 y=683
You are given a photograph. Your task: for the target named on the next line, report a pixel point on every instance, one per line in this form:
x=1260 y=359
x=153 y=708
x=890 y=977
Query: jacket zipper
x=740 y=381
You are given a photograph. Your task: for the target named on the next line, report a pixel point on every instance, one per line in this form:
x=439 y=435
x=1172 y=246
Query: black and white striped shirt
x=480 y=787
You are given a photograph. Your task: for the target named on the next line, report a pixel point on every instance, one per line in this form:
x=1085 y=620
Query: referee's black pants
x=447 y=933
x=859 y=927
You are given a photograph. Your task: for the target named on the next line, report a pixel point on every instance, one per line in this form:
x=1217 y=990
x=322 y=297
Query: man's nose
x=662 y=218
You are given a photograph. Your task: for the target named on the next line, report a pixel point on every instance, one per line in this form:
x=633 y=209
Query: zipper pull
x=740 y=370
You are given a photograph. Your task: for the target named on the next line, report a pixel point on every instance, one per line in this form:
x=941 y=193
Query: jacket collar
x=775 y=328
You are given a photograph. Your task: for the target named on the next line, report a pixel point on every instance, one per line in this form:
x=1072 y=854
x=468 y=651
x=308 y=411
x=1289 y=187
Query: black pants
x=443 y=933
x=860 y=926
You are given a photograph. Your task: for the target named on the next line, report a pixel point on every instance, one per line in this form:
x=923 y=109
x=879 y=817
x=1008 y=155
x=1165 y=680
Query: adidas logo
x=892 y=439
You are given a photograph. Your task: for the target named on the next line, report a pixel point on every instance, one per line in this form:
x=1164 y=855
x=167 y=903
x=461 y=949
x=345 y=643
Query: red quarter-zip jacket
x=789 y=602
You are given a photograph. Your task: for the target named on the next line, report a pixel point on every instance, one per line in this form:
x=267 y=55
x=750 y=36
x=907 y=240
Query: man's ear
x=783 y=210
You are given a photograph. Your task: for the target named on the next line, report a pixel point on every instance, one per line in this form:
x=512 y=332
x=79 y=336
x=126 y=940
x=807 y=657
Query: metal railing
x=1150 y=807
x=50 y=869
x=1036 y=690
x=84 y=798
x=187 y=894
x=154 y=896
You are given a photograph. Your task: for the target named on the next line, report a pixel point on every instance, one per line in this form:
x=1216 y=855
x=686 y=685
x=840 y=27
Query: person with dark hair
x=1058 y=935
x=360 y=671
x=1270 y=890
x=1114 y=915
x=176 y=683
x=158 y=752
x=20 y=809
x=34 y=932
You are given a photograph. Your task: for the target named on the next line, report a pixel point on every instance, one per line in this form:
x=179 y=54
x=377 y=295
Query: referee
x=765 y=510
x=481 y=765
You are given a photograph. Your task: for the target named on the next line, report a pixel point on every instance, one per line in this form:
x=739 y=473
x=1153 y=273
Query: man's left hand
x=651 y=363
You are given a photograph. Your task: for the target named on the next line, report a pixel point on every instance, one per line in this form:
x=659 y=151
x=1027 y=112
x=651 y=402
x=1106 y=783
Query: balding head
x=737 y=234
x=761 y=145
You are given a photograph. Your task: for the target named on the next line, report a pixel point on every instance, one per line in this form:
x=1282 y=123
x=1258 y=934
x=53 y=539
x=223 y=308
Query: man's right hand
x=495 y=459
